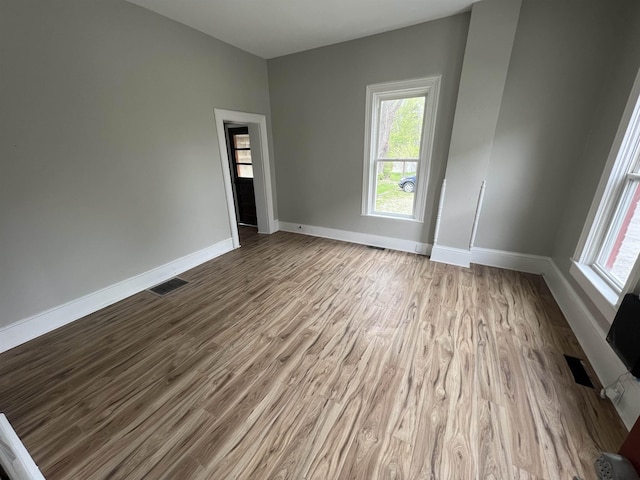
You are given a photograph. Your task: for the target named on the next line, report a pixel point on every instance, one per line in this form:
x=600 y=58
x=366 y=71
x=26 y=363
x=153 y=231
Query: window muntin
x=399 y=135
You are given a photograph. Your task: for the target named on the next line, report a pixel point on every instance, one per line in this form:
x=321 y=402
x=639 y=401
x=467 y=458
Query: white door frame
x=262 y=169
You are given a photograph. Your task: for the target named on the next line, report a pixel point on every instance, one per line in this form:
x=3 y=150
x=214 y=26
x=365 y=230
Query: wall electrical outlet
x=615 y=392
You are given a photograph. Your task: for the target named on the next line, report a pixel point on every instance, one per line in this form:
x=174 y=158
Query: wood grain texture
x=302 y=358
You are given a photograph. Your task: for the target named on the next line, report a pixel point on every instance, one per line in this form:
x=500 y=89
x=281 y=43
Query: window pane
x=243 y=156
x=400 y=128
x=245 y=171
x=395 y=184
x=241 y=141
x=622 y=243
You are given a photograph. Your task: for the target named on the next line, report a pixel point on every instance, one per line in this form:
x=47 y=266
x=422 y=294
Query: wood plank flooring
x=302 y=358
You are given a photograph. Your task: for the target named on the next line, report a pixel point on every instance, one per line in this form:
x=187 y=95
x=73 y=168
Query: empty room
x=319 y=240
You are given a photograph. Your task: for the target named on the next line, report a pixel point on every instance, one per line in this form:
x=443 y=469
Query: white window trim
x=603 y=293
x=429 y=86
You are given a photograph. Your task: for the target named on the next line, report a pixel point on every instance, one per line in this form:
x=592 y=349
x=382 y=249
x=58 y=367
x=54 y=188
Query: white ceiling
x=271 y=28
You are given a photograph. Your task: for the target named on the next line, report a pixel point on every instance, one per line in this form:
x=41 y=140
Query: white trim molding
x=360 y=238
x=14 y=457
x=522 y=262
x=451 y=256
x=27 y=329
x=429 y=87
x=439 y=214
x=476 y=218
x=262 y=169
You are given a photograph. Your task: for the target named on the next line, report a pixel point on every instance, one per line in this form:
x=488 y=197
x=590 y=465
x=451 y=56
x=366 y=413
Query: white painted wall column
x=484 y=73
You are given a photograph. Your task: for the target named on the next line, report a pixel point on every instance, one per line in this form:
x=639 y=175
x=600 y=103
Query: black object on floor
x=580 y=375
x=168 y=286
x=375 y=248
x=624 y=334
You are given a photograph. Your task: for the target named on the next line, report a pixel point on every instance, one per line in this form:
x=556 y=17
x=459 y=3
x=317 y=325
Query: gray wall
x=318 y=114
x=622 y=67
x=561 y=58
x=109 y=162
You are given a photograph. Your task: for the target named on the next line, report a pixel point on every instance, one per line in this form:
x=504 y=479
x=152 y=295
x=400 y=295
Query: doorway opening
x=246 y=170
x=241 y=167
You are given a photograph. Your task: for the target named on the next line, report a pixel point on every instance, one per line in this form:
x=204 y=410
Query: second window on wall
x=398 y=139
x=606 y=261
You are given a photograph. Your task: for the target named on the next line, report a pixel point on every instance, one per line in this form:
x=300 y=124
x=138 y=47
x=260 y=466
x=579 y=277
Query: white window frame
x=603 y=290
x=376 y=93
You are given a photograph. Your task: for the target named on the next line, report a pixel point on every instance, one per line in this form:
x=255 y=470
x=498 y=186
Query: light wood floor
x=299 y=358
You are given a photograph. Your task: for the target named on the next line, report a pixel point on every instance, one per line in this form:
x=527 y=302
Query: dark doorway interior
x=241 y=164
x=248 y=235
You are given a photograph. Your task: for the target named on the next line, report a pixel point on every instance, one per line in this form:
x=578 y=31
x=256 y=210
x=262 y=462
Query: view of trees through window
x=400 y=124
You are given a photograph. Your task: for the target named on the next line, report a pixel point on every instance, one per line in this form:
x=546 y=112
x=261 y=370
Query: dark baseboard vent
x=375 y=248
x=168 y=286
x=578 y=371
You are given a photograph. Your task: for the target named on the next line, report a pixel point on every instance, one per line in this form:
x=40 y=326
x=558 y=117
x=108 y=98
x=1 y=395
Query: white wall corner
x=27 y=329
x=451 y=256
x=357 y=237
x=592 y=338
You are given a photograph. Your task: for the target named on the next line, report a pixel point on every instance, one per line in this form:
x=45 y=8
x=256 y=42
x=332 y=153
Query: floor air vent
x=580 y=375
x=168 y=286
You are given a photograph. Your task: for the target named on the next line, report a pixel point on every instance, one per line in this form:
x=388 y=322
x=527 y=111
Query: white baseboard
x=451 y=256
x=592 y=338
x=32 y=327
x=356 y=237
x=521 y=262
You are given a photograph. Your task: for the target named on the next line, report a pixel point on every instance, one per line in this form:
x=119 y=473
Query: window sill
x=388 y=217
x=600 y=292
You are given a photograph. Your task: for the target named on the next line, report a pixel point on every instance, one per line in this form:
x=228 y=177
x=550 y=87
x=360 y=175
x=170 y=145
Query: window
x=607 y=255
x=400 y=123
x=241 y=152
